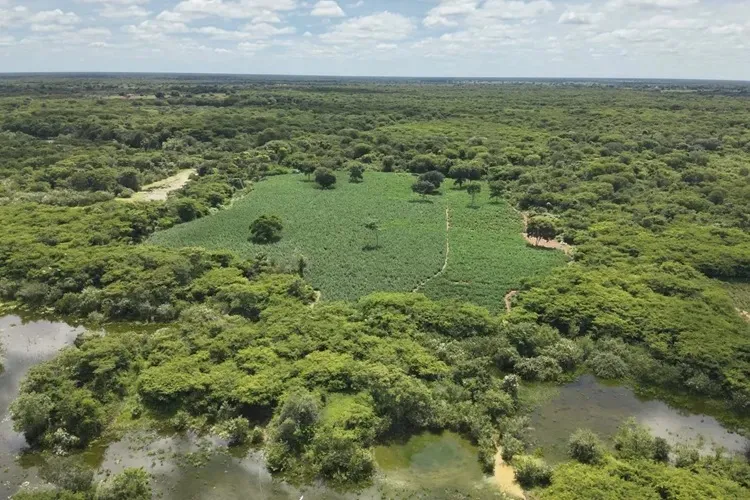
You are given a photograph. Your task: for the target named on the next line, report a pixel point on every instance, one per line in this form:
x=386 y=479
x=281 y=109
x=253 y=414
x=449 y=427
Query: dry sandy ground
x=505 y=477
x=158 y=191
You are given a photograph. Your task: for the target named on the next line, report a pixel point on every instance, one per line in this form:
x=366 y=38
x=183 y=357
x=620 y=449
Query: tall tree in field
x=325 y=178
x=355 y=173
x=266 y=229
x=541 y=227
x=473 y=190
x=497 y=188
x=423 y=188
x=373 y=226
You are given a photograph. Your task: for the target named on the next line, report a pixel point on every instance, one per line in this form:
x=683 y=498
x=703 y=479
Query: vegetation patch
x=331 y=230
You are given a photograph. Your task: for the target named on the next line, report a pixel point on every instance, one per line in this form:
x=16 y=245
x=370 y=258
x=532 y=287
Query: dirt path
x=158 y=191
x=744 y=314
x=447 y=252
x=505 y=477
x=509 y=299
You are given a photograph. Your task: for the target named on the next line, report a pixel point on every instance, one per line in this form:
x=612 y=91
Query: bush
x=325 y=178
x=532 y=472
x=608 y=366
x=433 y=177
x=130 y=484
x=67 y=473
x=266 y=229
x=585 y=446
x=542 y=368
x=634 y=441
x=236 y=431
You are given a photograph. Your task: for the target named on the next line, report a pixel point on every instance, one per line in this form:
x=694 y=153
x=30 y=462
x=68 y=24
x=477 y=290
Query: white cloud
x=241 y=9
x=580 y=17
x=56 y=16
x=652 y=4
x=492 y=10
x=248 y=32
x=327 y=8
x=448 y=11
x=7 y=40
x=384 y=26
x=123 y=12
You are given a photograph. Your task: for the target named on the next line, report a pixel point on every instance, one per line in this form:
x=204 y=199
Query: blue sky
x=542 y=38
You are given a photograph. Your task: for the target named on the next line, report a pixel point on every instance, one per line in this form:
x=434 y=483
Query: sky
x=460 y=38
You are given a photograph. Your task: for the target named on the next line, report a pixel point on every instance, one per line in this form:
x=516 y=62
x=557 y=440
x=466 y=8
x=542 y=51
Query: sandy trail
x=505 y=477
x=158 y=191
x=447 y=252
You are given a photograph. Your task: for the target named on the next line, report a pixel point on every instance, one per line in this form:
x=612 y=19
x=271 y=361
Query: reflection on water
x=427 y=466
x=24 y=345
x=590 y=404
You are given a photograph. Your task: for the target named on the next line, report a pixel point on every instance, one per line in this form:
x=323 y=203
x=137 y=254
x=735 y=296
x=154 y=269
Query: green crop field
x=487 y=257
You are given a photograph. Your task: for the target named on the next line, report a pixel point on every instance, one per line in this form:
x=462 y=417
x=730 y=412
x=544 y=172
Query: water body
x=25 y=344
x=587 y=403
x=434 y=466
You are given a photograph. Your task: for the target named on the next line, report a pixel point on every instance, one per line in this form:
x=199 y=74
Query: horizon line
x=381 y=77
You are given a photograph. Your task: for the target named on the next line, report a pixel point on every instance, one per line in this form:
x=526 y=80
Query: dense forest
x=648 y=187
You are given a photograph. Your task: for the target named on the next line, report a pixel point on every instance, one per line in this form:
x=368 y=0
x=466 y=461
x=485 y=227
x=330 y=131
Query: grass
x=487 y=257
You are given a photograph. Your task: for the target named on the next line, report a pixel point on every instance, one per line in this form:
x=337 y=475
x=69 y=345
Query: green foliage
x=130 y=484
x=541 y=227
x=531 y=472
x=266 y=229
x=634 y=441
x=488 y=255
x=423 y=188
x=584 y=445
x=67 y=473
x=325 y=178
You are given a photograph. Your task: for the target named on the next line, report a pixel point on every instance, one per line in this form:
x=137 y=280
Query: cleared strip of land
x=158 y=191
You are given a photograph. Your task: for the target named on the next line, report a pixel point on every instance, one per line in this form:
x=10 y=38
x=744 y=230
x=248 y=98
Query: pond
x=24 y=344
x=588 y=403
x=433 y=466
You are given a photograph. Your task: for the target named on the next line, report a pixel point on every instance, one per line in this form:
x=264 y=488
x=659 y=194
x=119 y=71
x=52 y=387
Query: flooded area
x=434 y=466
x=23 y=346
x=587 y=403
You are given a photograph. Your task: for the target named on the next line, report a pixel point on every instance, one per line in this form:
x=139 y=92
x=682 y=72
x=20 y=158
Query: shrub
x=608 y=366
x=130 y=484
x=236 y=431
x=325 y=178
x=433 y=177
x=266 y=229
x=67 y=473
x=531 y=472
x=634 y=441
x=585 y=446
x=542 y=368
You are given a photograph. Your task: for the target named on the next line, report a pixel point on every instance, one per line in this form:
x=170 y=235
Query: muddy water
x=587 y=403
x=24 y=345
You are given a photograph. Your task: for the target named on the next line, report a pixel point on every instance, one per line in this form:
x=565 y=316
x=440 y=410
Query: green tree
x=130 y=484
x=325 y=178
x=355 y=173
x=373 y=226
x=586 y=447
x=473 y=190
x=266 y=229
x=497 y=189
x=434 y=177
x=301 y=266
x=541 y=227
x=423 y=188
x=634 y=441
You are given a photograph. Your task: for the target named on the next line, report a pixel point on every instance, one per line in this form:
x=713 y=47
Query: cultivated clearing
x=488 y=255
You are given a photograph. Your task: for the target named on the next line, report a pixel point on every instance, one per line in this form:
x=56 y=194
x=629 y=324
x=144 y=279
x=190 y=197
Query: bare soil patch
x=158 y=191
